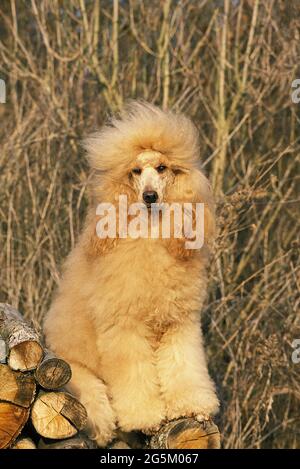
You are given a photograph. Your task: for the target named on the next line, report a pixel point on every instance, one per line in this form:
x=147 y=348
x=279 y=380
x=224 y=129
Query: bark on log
x=25 y=351
x=78 y=442
x=58 y=415
x=187 y=433
x=3 y=351
x=16 y=387
x=12 y=420
x=24 y=443
x=53 y=373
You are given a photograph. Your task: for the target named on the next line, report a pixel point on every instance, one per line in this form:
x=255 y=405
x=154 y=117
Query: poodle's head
x=149 y=155
x=151 y=177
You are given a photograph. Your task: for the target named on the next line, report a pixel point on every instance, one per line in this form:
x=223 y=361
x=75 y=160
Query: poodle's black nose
x=150 y=197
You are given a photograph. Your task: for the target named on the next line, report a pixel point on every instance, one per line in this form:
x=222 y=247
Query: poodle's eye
x=161 y=168
x=137 y=171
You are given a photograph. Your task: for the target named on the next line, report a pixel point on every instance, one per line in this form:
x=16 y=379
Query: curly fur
x=127 y=312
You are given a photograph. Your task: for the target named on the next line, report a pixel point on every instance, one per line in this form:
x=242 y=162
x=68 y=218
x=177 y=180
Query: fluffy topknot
x=143 y=126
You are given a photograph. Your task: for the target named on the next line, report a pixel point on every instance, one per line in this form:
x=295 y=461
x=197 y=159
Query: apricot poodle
x=127 y=312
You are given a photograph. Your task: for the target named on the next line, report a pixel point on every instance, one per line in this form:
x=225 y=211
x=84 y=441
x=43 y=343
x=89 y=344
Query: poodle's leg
x=186 y=386
x=129 y=371
x=92 y=393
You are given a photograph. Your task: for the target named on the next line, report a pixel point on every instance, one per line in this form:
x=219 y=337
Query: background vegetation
x=228 y=64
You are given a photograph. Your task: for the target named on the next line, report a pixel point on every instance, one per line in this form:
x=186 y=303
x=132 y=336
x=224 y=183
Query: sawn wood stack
x=33 y=403
x=37 y=412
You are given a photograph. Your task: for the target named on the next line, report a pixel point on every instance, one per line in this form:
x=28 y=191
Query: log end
x=16 y=387
x=58 y=415
x=187 y=433
x=24 y=443
x=53 y=373
x=25 y=356
x=12 y=420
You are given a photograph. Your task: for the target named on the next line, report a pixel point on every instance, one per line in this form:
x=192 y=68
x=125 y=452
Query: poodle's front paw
x=100 y=431
x=147 y=419
x=101 y=425
x=195 y=405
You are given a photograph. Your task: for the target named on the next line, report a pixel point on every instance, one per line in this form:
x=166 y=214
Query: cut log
x=58 y=415
x=23 y=443
x=16 y=387
x=17 y=391
x=187 y=434
x=25 y=351
x=77 y=442
x=3 y=351
x=52 y=372
x=12 y=420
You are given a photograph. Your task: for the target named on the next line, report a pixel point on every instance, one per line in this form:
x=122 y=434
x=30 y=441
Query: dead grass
x=229 y=65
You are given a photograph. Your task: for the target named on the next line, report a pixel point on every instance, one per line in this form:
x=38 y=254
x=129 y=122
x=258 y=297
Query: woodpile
x=34 y=408
x=36 y=411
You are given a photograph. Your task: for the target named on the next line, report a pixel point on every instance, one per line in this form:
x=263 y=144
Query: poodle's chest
x=145 y=266
x=145 y=283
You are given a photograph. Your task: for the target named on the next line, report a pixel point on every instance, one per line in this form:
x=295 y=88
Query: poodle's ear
x=95 y=246
x=191 y=185
x=177 y=170
x=203 y=193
